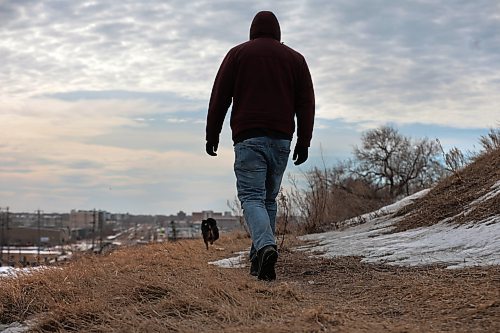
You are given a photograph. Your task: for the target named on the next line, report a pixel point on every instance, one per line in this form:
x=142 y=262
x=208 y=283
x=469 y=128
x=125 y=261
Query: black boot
x=267 y=258
x=254 y=267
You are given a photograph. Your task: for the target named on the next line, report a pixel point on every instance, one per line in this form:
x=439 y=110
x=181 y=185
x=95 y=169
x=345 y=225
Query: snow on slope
x=445 y=243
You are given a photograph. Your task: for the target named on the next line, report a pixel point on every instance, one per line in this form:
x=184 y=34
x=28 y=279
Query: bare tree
x=394 y=162
x=386 y=165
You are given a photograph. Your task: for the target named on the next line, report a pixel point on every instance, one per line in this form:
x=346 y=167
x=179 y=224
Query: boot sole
x=267 y=271
x=254 y=271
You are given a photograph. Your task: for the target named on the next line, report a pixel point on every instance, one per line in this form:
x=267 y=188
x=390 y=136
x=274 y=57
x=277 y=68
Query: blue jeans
x=259 y=166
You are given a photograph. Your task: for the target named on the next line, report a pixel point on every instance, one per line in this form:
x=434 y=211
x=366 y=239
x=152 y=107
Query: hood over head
x=265 y=24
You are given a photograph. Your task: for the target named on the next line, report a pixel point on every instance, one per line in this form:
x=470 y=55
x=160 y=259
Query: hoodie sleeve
x=220 y=99
x=304 y=106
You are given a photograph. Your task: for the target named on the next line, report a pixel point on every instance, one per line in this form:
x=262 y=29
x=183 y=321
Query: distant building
x=118 y=217
x=23 y=219
x=90 y=224
x=33 y=219
x=181 y=216
x=26 y=236
x=82 y=219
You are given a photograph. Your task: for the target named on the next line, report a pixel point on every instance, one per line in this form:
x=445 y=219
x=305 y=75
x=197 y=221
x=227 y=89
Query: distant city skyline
x=53 y=216
x=104 y=103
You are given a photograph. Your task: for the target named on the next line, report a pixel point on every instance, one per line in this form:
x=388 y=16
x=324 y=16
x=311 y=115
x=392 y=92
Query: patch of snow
x=452 y=245
x=233 y=262
x=495 y=190
x=384 y=211
x=7 y=271
x=112 y=237
x=18 y=327
x=14 y=327
x=83 y=246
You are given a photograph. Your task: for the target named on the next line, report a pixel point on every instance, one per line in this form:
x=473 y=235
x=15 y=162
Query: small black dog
x=210 y=231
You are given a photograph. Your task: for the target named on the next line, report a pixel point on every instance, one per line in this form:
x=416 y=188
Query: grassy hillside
x=456 y=197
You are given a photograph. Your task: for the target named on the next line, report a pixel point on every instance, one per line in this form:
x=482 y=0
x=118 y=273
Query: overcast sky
x=103 y=103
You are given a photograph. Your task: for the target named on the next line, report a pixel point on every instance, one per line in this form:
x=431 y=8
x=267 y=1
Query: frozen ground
x=453 y=245
x=443 y=243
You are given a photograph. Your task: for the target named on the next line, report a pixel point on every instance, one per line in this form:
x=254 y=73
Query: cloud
x=98 y=95
x=124 y=45
x=372 y=61
x=406 y=62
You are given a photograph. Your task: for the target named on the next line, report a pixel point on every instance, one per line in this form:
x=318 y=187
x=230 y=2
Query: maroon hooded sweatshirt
x=269 y=85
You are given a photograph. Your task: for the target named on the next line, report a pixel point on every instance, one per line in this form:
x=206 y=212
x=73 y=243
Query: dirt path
x=169 y=287
x=350 y=295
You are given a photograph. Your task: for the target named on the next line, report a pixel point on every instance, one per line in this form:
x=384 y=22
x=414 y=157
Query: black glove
x=211 y=148
x=300 y=154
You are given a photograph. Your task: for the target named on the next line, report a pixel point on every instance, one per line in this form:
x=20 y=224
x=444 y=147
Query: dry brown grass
x=452 y=196
x=361 y=297
x=170 y=288
x=156 y=288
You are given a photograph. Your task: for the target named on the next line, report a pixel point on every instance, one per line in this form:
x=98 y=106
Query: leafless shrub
x=490 y=141
x=454 y=160
x=283 y=218
x=237 y=210
x=310 y=199
x=326 y=197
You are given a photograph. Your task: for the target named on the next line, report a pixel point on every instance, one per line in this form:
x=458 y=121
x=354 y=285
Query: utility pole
x=8 y=234
x=101 y=224
x=1 y=237
x=93 y=230
x=38 y=235
x=174 y=231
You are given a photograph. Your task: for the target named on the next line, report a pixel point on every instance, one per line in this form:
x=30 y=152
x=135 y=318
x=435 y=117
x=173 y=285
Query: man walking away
x=269 y=85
